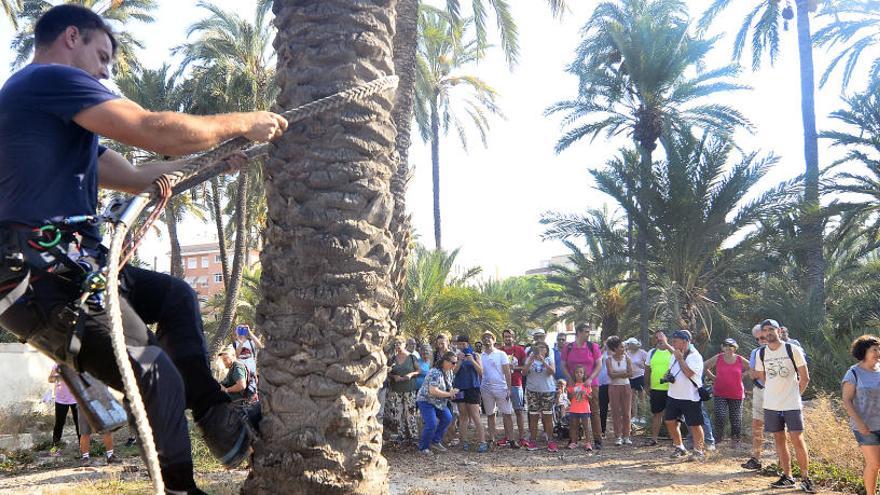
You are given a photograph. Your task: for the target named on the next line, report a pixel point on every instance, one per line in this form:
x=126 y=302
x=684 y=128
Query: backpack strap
x=855 y=376
x=790 y=353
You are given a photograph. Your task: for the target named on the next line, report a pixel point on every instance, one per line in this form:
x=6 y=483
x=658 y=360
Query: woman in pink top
x=728 y=392
x=64 y=400
x=587 y=354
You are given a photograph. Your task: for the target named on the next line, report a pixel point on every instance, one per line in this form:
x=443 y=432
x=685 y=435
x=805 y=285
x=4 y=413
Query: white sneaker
x=618 y=442
x=710 y=447
x=427 y=452
x=439 y=447
x=628 y=441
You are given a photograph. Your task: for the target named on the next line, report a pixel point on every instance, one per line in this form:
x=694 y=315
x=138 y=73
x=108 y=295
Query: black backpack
x=250 y=388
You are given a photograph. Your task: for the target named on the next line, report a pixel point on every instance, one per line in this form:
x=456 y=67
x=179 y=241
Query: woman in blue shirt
x=433 y=401
x=861 y=399
x=468 y=372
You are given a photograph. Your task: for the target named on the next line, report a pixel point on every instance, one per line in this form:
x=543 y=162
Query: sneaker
x=512 y=444
x=227 y=433
x=112 y=459
x=524 y=443
x=55 y=452
x=597 y=445
x=426 y=452
x=710 y=447
x=483 y=448
x=589 y=449
x=618 y=442
x=697 y=456
x=783 y=482
x=465 y=446
x=531 y=446
x=130 y=441
x=650 y=443
x=85 y=461
x=807 y=485
x=552 y=447
x=678 y=453
x=502 y=442
x=453 y=442
x=752 y=464
x=627 y=441
x=439 y=447
x=574 y=445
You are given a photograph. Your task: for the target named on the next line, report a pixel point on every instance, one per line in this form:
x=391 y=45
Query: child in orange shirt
x=579 y=411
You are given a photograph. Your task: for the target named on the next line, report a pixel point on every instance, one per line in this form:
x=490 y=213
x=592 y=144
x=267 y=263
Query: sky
x=492 y=198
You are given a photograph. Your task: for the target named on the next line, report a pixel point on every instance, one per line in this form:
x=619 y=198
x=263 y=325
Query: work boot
x=227 y=432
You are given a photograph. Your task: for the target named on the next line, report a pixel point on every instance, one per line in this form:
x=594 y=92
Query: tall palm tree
x=637 y=69
x=10 y=10
x=119 y=14
x=328 y=293
x=854 y=27
x=230 y=60
x=763 y=21
x=445 y=96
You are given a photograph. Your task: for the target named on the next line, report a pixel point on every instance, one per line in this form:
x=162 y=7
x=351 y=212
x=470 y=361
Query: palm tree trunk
x=435 y=167
x=221 y=233
x=811 y=214
x=642 y=246
x=171 y=220
x=233 y=287
x=328 y=294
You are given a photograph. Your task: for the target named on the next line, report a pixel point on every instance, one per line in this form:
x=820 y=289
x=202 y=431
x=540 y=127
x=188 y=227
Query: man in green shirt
x=659 y=360
x=235 y=383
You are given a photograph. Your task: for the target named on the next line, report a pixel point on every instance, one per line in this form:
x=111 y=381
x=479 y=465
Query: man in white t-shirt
x=685 y=376
x=783 y=369
x=495 y=388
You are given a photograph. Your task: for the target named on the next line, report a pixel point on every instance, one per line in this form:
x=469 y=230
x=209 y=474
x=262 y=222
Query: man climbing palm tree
x=51 y=114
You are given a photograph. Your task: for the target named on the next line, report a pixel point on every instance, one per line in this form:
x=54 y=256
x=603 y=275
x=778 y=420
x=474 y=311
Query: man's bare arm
x=171 y=133
x=118 y=174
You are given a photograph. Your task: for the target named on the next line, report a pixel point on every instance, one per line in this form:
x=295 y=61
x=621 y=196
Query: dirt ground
x=616 y=470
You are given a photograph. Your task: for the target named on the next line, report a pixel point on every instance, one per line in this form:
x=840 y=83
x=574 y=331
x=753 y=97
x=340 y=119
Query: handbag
x=705 y=391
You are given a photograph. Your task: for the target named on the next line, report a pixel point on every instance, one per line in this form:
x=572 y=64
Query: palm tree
x=635 y=68
x=856 y=26
x=763 y=21
x=444 y=96
x=231 y=59
x=10 y=10
x=328 y=294
x=117 y=12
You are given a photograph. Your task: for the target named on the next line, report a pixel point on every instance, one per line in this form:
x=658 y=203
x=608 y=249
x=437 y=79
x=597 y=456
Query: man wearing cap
x=235 y=382
x=783 y=369
x=659 y=360
x=685 y=377
x=754 y=462
x=639 y=359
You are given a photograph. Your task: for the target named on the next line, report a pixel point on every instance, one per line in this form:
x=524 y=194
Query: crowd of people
x=569 y=391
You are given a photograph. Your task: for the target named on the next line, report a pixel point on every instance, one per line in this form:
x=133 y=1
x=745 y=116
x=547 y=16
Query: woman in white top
x=620 y=369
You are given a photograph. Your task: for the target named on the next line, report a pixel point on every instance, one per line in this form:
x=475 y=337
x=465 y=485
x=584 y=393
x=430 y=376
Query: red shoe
x=502 y=442
x=531 y=446
x=523 y=443
x=552 y=447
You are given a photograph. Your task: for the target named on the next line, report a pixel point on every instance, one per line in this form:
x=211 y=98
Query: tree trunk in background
x=328 y=293
x=233 y=286
x=171 y=219
x=405 y=47
x=435 y=168
x=642 y=247
x=217 y=213
x=811 y=214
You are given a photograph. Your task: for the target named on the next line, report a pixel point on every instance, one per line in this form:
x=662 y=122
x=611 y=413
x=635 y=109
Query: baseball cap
x=227 y=350
x=632 y=341
x=771 y=322
x=539 y=332
x=731 y=342
x=682 y=334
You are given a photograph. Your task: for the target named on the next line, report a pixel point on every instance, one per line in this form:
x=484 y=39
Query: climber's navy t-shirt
x=48 y=163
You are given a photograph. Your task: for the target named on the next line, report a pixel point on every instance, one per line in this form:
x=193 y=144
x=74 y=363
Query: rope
x=199 y=169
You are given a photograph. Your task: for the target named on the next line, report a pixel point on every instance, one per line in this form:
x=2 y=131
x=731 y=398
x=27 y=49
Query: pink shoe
x=502 y=442
x=523 y=443
x=531 y=446
x=572 y=445
x=551 y=446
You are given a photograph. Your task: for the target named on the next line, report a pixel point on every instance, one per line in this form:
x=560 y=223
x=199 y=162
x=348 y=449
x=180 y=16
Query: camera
x=667 y=378
x=241 y=330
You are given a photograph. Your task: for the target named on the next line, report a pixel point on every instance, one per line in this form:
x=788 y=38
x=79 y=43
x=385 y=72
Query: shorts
x=496 y=398
x=690 y=409
x=575 y=416
x=637 y=384
x=872 y=439
x=541 y=402
x=758 y=404
x=470 y=396
x=658 y=401
x=776 y=421
x=516 y=398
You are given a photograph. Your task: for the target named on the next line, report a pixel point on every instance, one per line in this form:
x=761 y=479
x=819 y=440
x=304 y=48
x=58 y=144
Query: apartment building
x=203 y=270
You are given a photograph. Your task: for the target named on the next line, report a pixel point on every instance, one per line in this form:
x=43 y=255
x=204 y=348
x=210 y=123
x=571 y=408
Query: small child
x=562 y=401
x=579 y=410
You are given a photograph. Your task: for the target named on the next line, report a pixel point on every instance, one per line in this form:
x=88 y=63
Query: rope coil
x=200 y=168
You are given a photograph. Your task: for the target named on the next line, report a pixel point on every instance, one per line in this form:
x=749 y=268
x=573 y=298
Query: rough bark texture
x=239 y=257
x=326 y=278
x=405 y=47
x=171 y=219
x=811 y=216
x=221 y=234
x=642 y=248
x=435 y=168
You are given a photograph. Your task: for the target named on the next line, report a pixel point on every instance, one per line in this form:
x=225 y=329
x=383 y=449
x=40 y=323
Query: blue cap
x=682 y=334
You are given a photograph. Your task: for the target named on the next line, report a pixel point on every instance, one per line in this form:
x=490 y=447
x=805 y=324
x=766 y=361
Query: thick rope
x=199 y=169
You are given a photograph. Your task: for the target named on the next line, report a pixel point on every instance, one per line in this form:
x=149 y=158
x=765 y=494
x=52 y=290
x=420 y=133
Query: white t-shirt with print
x=781 y=389
x=493 y=374
x=639 y=362
x=682 y=388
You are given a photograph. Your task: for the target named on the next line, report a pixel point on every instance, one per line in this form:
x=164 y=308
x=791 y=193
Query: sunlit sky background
x=492 y=198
